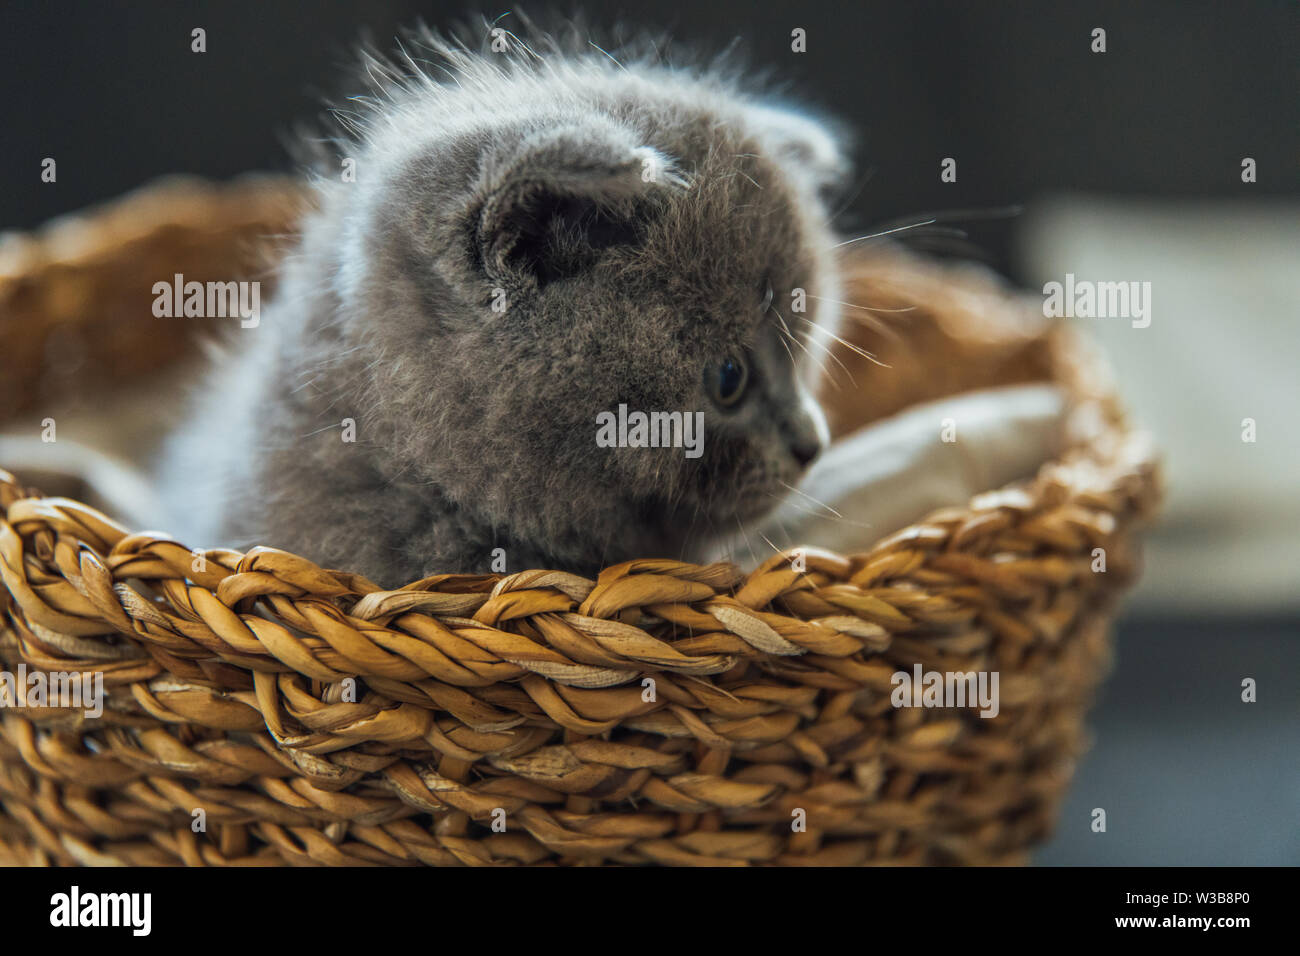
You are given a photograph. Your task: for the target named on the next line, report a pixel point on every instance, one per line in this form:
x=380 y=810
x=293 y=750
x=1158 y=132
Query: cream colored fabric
x=885 y=476
x=72 y=469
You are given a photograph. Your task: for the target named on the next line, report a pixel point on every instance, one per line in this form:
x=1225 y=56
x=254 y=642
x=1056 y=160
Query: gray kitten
x=530 y=241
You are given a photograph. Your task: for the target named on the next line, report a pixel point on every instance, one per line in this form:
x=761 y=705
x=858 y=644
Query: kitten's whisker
x=821 y=366
x=752 y=556
x=950 y=239
x=796 y=505
x=952 y=232
x=793 y=364
x=969 y=214
x=870 y=321
x=786 y=531
x=865 y=308
x=774 y=548
x=813 y=513
x=848 y=345
x=833 y=357
x=793 y=338
x=886 y=232
x=822 y=504
x=836 y=359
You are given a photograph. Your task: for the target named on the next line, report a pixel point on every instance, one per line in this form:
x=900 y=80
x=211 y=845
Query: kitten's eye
x=726 y=381
x=767 y=296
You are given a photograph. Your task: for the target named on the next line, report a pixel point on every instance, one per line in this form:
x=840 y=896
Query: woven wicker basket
x=519 y=699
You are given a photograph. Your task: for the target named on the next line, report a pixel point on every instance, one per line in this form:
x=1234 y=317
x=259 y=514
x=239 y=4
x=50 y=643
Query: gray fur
x=476 y=429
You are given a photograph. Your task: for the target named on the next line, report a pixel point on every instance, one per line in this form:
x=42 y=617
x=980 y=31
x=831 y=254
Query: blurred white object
x=1221 y=348
x=104 y=481
x=888 y=474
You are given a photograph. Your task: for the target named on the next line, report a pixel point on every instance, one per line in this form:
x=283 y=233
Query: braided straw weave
x=521 y=698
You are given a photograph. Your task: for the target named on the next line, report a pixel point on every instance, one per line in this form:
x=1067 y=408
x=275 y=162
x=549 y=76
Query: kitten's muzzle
x=805 y=449
x=803 y=438
x=805 y=432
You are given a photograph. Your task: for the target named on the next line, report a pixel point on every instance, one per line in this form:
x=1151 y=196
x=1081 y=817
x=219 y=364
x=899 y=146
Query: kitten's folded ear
x=814 y=148
x=548 y=206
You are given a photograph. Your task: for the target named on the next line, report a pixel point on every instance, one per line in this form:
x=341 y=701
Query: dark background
x=1011 y=90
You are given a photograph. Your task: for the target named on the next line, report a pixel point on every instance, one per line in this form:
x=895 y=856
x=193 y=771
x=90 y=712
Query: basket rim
x=1104 y=456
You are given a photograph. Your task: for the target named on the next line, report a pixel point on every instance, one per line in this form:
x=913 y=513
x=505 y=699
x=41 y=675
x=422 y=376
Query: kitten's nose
x=805 y=448
x=805 y=431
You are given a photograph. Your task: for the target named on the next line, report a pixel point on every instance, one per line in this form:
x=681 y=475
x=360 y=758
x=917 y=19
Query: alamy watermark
x=651 y=430
x=75 y=909
x=72 y=689
x=1098 y=300
x=946 y=689
x=210 y=300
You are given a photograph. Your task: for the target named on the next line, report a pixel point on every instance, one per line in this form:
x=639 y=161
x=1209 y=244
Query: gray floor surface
x=1187 y=773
